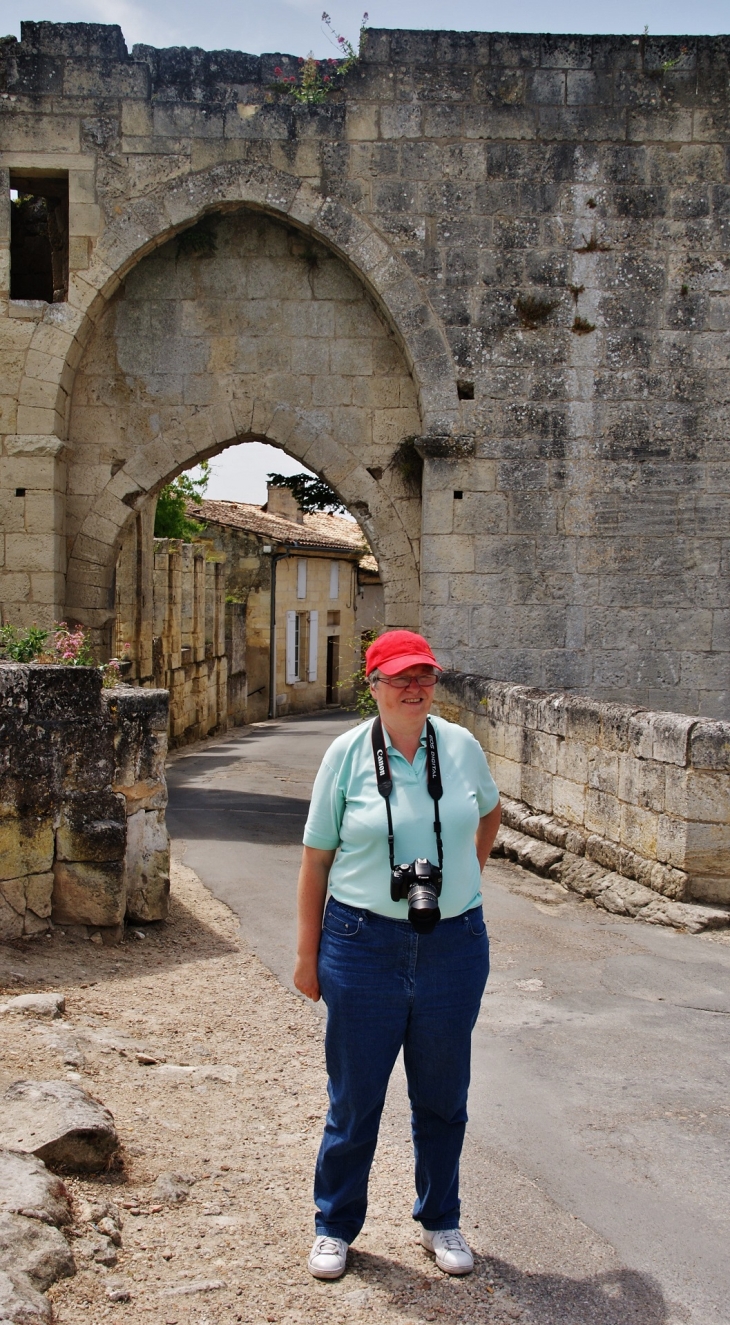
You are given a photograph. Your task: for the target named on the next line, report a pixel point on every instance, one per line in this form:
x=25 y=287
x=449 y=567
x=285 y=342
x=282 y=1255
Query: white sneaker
x=450 y=1249
x=327 y=1257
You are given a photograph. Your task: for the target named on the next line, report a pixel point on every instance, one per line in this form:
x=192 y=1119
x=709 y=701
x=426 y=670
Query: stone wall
x=82 y=802
x=170 y=608
x=537 y=230
x=645 y=795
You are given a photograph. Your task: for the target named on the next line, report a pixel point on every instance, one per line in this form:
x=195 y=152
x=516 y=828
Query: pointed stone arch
x=106 y=487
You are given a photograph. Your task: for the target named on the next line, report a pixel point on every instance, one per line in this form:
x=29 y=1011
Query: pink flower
x=278 y=73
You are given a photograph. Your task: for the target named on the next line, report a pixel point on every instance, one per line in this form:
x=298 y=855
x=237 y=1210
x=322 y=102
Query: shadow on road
x=620 y=1297
x=198 y=814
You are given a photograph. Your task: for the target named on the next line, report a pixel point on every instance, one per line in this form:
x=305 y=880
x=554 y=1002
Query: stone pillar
x=32 y=502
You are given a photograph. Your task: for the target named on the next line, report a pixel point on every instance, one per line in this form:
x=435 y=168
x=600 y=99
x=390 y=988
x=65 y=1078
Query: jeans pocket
x=341 y=924
x=476 y=923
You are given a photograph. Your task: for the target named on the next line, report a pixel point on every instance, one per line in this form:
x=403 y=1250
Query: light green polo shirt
x=347 y=812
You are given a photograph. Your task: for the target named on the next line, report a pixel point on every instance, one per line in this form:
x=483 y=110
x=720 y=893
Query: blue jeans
x=388 y=988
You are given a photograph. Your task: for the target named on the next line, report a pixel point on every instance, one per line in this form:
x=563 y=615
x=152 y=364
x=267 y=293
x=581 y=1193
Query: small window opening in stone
x=458 y=494
x=39 y=236
x=333 y=618
x=20 y=492
x=465 y=390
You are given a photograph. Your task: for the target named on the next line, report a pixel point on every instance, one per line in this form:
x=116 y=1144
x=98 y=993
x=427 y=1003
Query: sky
x=239 y=474
x=294 y=27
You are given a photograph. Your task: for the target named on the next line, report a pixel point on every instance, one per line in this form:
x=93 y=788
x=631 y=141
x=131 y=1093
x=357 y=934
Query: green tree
x=312 y=494
x=171 y=517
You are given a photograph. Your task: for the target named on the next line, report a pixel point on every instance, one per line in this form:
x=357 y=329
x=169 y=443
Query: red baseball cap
x=397 y=649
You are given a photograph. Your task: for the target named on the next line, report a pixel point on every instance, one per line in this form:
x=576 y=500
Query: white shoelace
x=453 y=1240
x=326 y=1246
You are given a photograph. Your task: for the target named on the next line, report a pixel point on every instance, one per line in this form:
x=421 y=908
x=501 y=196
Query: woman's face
x=409 y=705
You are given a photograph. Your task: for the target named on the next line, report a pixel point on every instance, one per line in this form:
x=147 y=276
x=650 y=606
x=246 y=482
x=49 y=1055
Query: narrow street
x=597 y=1168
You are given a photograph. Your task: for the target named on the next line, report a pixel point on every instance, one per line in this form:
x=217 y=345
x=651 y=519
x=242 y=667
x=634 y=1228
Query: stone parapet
x=644 y=795
x=82 y=800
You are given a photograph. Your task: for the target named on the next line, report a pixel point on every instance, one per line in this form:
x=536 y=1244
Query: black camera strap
x=385 y=783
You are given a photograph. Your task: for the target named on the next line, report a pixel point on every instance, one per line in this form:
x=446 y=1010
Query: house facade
x=301 y=654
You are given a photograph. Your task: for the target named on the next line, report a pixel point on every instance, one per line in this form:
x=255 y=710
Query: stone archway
x=268 y=336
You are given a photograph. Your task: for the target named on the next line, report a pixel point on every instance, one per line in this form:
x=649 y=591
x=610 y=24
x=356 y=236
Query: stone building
x=196 y=618
x=501 y=259
x=313 y=562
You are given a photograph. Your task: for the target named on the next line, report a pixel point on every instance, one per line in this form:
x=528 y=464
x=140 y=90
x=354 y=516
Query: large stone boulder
x=20 y=1302
x=27 y=1188
x=40 y=1249
x=33 y=1252
x=60 y=1123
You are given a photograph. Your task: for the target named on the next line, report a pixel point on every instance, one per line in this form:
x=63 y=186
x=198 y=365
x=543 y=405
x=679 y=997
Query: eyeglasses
x=403 y=682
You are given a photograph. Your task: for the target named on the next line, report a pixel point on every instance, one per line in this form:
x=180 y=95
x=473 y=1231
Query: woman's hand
x=486 y=833
x=311 y=893
x=305 y=978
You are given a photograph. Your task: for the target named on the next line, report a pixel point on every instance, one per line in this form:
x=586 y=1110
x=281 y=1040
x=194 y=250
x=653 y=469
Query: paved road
x=598 y=1160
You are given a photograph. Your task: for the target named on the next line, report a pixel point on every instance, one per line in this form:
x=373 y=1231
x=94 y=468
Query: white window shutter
x=334 y=579
x=301 y=578
x=291 y=648
x=313 y=629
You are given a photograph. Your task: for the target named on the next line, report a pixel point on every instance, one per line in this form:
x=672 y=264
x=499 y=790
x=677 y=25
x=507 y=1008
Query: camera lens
x=423 y=907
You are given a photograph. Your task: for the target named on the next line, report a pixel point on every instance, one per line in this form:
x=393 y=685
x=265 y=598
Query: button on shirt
x=348 y=813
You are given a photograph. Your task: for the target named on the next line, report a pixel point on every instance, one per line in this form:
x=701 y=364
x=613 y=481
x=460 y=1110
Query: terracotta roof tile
x=329 y=532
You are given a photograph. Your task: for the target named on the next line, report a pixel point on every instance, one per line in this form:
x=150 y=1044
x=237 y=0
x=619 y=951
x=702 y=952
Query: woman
x=390 y=976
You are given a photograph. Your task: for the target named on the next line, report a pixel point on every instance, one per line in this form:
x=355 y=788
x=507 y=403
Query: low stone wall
x=643 y=794
x=82 y=802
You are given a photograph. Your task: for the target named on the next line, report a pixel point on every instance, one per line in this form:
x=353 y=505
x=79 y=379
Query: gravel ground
x=241 y=1127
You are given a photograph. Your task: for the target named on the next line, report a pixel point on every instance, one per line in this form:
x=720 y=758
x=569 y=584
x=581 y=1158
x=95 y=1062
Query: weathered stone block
x=709 y=746
x=38 y=893
x=569 y=800
x=11 y=921
x=148 y=866
x=642 y=782
x=639 y=830
x=89 y=894
x=26 y=846
x=670 y=737
x=698 y=795
x=92 y=828
x=603 y=770
x=541 y=750
x=602 y=814
x=537 y=788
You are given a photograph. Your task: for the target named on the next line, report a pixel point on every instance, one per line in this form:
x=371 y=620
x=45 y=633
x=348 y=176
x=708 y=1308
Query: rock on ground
x=33 y=1251
x=39 y=1249
x=60 y=1123
x=36 y=1005
x=20 y=1302
x=27 y=1188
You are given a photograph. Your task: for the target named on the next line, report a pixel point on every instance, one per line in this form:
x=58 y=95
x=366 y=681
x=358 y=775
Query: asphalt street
x=597 y=1168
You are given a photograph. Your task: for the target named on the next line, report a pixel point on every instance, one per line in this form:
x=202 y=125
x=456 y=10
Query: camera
x=420 y=884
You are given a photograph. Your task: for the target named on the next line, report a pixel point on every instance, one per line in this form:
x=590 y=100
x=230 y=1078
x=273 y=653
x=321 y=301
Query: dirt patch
x=215 y=1074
